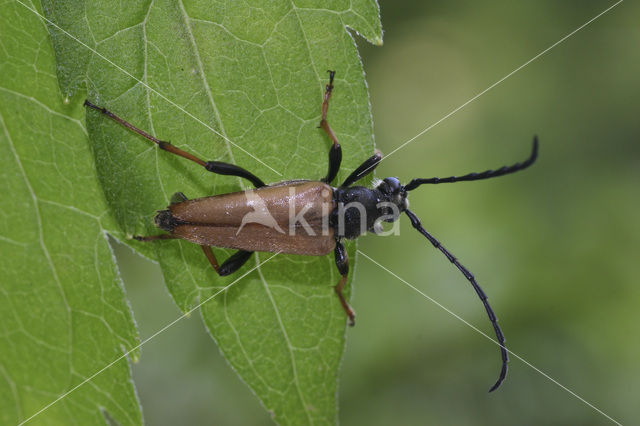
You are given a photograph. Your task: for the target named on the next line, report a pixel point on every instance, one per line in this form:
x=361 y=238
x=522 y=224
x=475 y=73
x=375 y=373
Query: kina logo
x=260 y=213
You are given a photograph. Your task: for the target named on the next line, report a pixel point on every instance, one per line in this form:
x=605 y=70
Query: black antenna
x=479 y=176
x=469 y=276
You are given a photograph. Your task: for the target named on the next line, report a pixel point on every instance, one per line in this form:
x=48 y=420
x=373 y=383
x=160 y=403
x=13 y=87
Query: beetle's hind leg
x=228 y=267
x=335 y=153
x=232 y=264
x=342 y=262
x=212 y=166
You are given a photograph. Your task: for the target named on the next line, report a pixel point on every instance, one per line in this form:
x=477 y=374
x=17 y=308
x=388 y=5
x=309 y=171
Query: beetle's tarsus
x=89 y=104
x=335 y=154
x=342 y=262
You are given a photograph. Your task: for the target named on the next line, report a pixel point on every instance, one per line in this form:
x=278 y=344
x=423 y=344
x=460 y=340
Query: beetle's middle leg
x=213 y=166
x=335 y=153
x=363 y=169
x=342 y=262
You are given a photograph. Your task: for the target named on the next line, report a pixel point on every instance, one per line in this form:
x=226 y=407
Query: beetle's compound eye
x=389 y=186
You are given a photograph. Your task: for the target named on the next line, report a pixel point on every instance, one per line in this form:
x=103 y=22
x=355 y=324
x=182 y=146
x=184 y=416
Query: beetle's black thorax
x=359 y=209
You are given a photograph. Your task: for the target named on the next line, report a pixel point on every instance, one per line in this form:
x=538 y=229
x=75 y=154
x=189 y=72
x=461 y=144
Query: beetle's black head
x=393 y=194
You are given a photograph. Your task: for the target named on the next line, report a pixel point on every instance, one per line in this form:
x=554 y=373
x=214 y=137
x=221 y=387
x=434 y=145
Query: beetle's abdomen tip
x=166 y=221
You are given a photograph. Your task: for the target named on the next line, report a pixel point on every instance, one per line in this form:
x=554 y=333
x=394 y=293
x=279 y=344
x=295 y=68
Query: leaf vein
x=289 y=345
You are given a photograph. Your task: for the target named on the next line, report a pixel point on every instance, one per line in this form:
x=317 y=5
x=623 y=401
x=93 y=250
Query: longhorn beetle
x=225 y=220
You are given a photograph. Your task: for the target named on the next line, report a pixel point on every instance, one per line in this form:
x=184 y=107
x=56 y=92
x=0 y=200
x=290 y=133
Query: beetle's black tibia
x=232 y=170
x=342 y=262
x=335 y=159
x=234 y=262
x=231 y=265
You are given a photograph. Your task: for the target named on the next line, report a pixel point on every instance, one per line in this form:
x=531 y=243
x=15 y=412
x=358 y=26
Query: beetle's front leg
x=342 y=262
x=335 y=154
x=364 y=169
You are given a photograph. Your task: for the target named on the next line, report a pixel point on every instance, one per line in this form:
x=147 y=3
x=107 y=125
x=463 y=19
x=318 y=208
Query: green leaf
x=64 y=314
x=240 y=82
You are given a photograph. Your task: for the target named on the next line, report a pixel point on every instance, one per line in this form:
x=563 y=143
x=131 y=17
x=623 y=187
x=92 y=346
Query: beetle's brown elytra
x=304 y=217
x=220 y=220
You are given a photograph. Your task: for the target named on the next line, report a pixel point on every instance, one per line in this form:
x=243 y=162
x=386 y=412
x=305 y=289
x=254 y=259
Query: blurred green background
x=557 y=247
